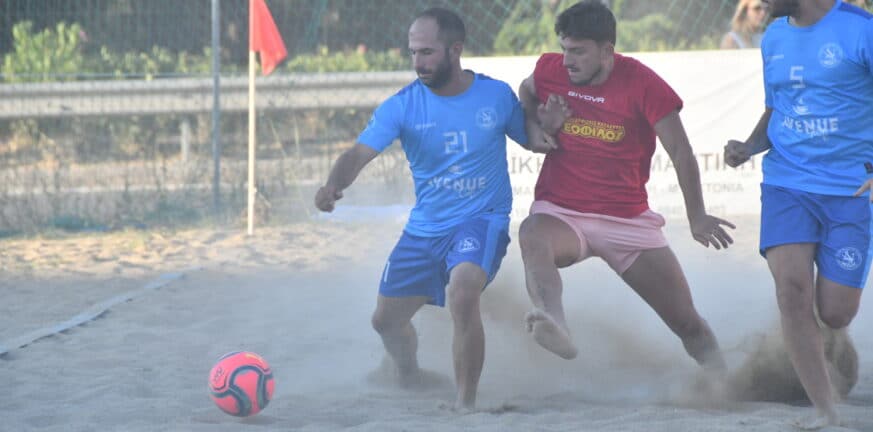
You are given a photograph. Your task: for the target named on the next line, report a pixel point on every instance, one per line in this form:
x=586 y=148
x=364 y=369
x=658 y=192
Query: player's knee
x=793 y=294
x=836 y=318
x=463 y=293
x=529 y=239
x=463 y=296
x=384 y=324
x=690 y=326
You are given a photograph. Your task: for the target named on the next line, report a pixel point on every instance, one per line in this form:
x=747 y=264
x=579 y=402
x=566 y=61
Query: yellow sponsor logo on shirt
x=594 y=129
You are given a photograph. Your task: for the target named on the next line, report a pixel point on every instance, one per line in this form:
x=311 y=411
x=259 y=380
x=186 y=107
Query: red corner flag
x=264 y=38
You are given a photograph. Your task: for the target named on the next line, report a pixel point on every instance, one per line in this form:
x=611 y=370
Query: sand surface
x=301 y=296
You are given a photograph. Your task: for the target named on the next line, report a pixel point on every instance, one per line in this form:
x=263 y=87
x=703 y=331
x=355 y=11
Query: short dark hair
x=451 y=26
x=588 y=19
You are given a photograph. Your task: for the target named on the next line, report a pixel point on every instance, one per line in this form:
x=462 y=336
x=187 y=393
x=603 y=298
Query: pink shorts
x=619 y=241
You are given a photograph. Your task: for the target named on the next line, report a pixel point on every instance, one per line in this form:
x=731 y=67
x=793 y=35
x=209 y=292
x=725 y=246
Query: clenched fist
x=326 y=197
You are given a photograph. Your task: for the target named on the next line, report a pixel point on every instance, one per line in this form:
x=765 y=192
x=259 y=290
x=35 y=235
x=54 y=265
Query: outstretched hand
x=708 y=230
x=326 y=197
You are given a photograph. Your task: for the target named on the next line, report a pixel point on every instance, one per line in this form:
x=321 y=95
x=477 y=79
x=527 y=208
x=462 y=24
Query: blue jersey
x=456 y=148
x=819 y=83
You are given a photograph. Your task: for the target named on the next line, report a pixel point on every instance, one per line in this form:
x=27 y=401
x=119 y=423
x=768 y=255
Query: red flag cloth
x=264 y=38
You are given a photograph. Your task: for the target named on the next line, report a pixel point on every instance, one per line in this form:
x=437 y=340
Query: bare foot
x=423 y=379
x=549 y=334
x=456 y=409
x=704 y=389
x=816 y=422
x=388 y=375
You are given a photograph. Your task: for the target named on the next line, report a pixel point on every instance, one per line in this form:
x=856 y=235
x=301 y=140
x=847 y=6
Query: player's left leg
x=657 y=277
x=468 y=341
x=392 y=321
x=843 y=261
x=409 y=281
x=638 y=251
x=476 y=251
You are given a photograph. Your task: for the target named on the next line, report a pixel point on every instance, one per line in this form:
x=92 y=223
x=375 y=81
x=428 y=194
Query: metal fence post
x=216 y=107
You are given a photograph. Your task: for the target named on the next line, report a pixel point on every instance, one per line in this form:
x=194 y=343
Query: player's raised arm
x=345 y=170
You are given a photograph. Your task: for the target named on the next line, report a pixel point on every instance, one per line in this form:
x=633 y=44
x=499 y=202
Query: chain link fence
x=105 y=104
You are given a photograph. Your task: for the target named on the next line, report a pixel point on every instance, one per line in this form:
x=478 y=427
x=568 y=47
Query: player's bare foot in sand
x=387 y=374
x=462 y=410
x=457 y=408
x=423 y=379
x=816 y=422
x=549 y=334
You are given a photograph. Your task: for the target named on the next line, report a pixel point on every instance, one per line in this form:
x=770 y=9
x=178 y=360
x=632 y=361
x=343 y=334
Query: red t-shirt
x=606 y=146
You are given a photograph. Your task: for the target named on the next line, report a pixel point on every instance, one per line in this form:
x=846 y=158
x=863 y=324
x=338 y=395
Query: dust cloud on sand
x=301 y=296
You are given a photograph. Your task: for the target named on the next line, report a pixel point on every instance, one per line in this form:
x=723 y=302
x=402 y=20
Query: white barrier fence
x=722 y=91
x=184 y=96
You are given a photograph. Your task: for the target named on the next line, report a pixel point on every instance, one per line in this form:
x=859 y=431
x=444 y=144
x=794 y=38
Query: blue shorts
x=839 y=225
x=420 y=266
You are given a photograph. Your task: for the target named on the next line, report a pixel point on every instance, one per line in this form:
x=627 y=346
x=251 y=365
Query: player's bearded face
x=781 y=8
x=431 y=57
x=583 y=60
x=438 y=75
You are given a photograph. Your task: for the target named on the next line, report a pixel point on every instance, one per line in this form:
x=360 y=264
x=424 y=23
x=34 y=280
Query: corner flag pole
x=252 y=137
x=265 y=39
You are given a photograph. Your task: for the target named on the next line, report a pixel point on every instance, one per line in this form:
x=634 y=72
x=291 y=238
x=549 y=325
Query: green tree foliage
x=348 y=61
x=529 y=30
x=45 y=56
x=58 y=55
x=649 y=33
x=158 y=61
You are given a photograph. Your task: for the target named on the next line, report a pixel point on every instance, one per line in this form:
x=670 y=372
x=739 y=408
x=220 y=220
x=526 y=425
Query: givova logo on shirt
x=594 y=129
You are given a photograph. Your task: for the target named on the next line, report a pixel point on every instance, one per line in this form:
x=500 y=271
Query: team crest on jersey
x=849 y=258
x=486 y=118
x=830 y=55
x=468 y=244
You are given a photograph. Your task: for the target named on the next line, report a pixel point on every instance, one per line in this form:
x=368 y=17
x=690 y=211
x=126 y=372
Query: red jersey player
x=590 y=198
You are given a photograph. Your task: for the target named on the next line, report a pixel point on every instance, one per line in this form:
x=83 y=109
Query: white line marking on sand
x=89 y=314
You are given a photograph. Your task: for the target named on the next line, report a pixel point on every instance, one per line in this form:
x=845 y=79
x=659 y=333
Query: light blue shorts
x=420 y=266
x=839 y=225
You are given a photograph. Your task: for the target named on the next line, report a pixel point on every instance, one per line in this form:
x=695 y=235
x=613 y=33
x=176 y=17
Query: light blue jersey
x=456 y=148
x=819 y=82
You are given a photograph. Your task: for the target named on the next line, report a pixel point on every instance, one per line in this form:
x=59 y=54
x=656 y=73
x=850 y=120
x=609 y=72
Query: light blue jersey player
x=456 y=147
x=815 y=195
x=453 y=125
x=819 y=84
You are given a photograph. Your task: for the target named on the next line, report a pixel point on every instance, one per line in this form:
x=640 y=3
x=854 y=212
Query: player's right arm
x=382 y=129
x=738 y=152
x=344 y=172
